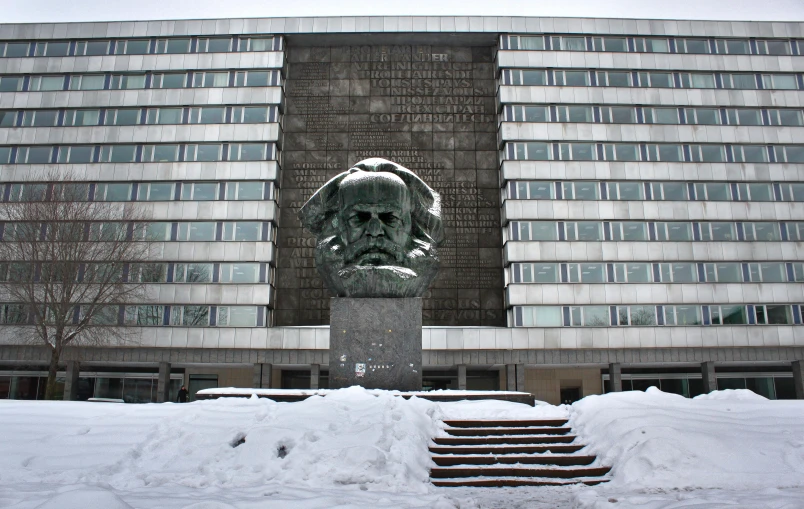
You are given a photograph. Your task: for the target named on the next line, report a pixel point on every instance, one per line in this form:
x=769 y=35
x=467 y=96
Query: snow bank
x=348 y=438
x=731 y=441
x=358 y=448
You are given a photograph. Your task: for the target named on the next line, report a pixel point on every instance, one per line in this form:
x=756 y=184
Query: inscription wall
x=428 y=108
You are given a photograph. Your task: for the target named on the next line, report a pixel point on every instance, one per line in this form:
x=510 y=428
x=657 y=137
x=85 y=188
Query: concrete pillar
x=461 y=377
x=510 y=377
x=709 y=377
x=262 y=376
x=163 y=383
x=71 y=382
x=315 y=373
x=615 y=377
x=798 y=378
x=520 y=377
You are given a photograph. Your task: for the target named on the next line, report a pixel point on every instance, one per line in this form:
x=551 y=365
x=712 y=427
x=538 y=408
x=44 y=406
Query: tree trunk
x=50 y=389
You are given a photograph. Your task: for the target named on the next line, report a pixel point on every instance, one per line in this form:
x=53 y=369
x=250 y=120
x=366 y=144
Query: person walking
x=182 y=395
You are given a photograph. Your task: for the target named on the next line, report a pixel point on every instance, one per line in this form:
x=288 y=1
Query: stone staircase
x=495 y=453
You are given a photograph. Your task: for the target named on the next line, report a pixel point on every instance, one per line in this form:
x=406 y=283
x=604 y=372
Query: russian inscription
x=428 y=108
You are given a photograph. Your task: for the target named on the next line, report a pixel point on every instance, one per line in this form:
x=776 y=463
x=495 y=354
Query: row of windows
x=672 y=152
x=636 y=231
x=173 y=45
x=652 y=79
x=139 y=191
x=646 y=272
x=134 y=81
x=129 y=153
x=194 y=231
x=624 y=316
x=652 y=115
x=672 y=191
x=139 y=116
x=154 y=315
x=143 y=272
x=622 y=44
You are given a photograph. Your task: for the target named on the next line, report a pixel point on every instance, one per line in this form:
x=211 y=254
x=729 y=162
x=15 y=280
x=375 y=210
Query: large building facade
x=622 y=198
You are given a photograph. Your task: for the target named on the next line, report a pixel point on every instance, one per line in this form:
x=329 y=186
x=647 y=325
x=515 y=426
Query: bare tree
x=64 y=264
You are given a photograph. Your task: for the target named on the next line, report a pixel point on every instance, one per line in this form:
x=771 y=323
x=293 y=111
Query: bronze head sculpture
x=377 y=228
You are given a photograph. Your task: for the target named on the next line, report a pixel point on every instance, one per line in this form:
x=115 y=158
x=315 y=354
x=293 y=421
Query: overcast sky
x=33 y=11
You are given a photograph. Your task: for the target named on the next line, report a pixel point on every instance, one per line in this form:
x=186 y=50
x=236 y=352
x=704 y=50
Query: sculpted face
x=377 y=227
x=374 y=218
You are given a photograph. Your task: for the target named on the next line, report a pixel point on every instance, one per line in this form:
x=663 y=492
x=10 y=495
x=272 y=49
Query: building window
x=211 y=79
x=535 y=272
x=87 y=81
x=132 y=47
x=249 y=231
x=173 y=45
x=682 y=315
x=156 y=232
x=244 y=191
x=673 y=231
x=237 y=316
x=160 y=153
x=46 y=83
x=163 y=116
x=199 y=191
x=92 y=48
x=40 y=118
x=113 y=191
x=118 y=153
x=76 y=154
x=256 y=78
x=204 y=152
x=586 y=272
x=728 y=315
x=248 y=151
x=37 y=154
x=169 y=80
x=192 y=273
x=148 y=273
x=128 y=116
x=14 y=49
x=78 y=118
x=127 y=81
x=197 y=231
x=156 y=191
x=144 y=315
x=214 y=45
x=52 y=49
x=189 y=316
x=723 y=272
x=589 y=316
x=208 y=115
x=240 y=273
x=8 y=118
x=10 y=83
x=538 y=316
x=633 y=273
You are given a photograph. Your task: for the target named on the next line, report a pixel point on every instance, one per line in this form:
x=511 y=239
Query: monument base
x=375 y=343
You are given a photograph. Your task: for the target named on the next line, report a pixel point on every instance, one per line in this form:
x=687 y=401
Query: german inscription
x=428 y=108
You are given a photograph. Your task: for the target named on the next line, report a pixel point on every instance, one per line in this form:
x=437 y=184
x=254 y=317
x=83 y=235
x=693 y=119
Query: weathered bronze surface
x=377 y=228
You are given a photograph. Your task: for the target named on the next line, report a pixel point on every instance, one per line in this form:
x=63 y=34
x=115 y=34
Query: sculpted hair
x=320 y=214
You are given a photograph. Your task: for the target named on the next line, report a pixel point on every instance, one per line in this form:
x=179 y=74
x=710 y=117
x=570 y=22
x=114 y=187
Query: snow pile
x=731 y=441
x=355 y=448
x=348 y=438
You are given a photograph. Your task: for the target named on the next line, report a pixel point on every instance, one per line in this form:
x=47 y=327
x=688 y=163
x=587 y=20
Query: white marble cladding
x=393 y=24
x=142 y=97
x=578 y=294
x=186 y=171
x=510 y=94
x=552 y=251
x=571 y=210
x=466 y=338
x=213 y=251
x=140 y=63
x=650 y=133
x=648 y=61
x=209 y=294
x=179 y=133
x=615 y=170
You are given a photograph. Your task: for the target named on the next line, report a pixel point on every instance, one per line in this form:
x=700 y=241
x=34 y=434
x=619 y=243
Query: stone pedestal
x=375 y=343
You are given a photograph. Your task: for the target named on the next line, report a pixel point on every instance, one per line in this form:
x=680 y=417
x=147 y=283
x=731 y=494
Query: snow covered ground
x=352 y=448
